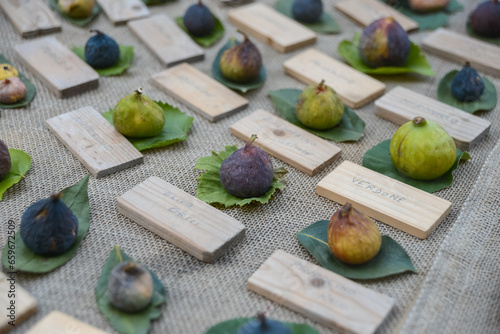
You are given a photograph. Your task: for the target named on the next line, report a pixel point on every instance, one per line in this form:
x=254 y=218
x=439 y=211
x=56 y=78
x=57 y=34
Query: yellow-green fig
x=77 y=9
x=422 y=150
x=136 y=115
x=241 y=63
x=7 y=71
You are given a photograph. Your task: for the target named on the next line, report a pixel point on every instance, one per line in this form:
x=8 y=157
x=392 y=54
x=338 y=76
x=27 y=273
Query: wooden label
x=271 y=27
x=24 y=304
x=94 y=141
x=354 y=88
x=401 y=105
x=199 y=91
x=62 y=70
x=364 y=12
x=58 y=322
x=395 y=203
x=451 y=45
x=166 y=40
x=320 y=294
x=121 y=11
x=187 y=222
x=287 y=142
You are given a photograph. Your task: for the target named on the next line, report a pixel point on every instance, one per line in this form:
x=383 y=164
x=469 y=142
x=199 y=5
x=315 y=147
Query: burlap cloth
x=456 y=289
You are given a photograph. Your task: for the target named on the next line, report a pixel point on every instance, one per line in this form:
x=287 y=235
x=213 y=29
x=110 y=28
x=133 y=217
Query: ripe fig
x=136 y=115
x=48 y=227
x=485 y=19
x=425 y=6
x=12 y=90
x=130 y=287
x=352 y=236
x=77 y=9
x=101 y=51
x=247 y=172
x=319 y=107
x=199 y=20
x=5 y=161
x=241 y=63
x=7 y=71
x=384 y=43
x=422 y=150
x=308 y=11
x=467 y=85
x=263 y=325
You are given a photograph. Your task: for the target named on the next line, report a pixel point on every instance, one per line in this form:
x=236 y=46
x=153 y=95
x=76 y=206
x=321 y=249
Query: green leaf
x=20 y=165
x=232 y=326
x=210 y=188
x=391 y=259
x=325 y=25
x=30 y=90
x=77 y=199
x=177 y=125
x=205 y=41
x=350 y=128
x=492 y=40
x=416 y=63
x=124 y=322
x=378 y=159
x=124 y=62
x=243 y=87
x=77 y=22
x=156 y=2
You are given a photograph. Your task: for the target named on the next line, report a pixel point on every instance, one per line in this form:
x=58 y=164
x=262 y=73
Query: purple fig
x=5 y=161
x=485 y=19
x=199 y=20
x=467 y=85
x=308 y=11
x=241 y=63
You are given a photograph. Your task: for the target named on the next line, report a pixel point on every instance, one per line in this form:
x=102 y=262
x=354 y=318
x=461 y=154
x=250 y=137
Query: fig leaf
x=77 y=22
x=325 y=25
x=205 y=41
x=124 y=62
x=20 y=165
x=30 y=90
x=231 y=327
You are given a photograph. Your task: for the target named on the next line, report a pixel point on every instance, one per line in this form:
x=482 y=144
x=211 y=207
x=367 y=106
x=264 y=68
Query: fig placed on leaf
x=101 y=51
x=199 y=20
x=485 y=19
x=5 y=161
x=12 y=90
x=307 y=11
x=467 y=85
x=241 y=63
x=7 y=71
x=77 y=9
x=263 y=325
x=426 y=6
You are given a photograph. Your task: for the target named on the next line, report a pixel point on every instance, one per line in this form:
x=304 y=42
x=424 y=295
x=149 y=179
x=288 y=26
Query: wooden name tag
x=24 y=304
x=94 y=141
x=121 y=11
x=58 y=322
x=401 y=105
x=271 y=27
x=187 y=222
x=62 y=70
x=395 y=203
x=320 y=294
x=460 y=48
x=354 y=88
x=166 y=40
x=199 y=91
x=287 y=142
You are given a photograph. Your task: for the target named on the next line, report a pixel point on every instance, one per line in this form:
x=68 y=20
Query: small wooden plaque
x=287 y=142
x=166 y=40
x=320 y=294
x=199 y=91
x=58 y=322
x=121 y=11
x=401 y=105
x=30 y=17
x=187 y=222
x=25 y=305
x=354 y=88
x=271 y=27
x=393 y=202
x=94 y=141
x=62 y=70
x=451 y=45
x=364 y=12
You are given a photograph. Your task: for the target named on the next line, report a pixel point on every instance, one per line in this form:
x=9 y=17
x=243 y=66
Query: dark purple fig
x=263 y=325
x=248 y=172
x=5 y=161
x=384 y=43
x=199 y=20
x=485 y=19
x=308 y=11
x=467 y=85
x=101 y=51
x=242 y=62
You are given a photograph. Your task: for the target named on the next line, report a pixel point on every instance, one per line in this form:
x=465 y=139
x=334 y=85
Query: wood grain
x=121 y=11
x=354 y=88
x=187 y=222
x=320 y=294
x=30 y=17
x=57 y=322
x=401 y=105
x=199 y=91
x=94 y=141
x=25 y=305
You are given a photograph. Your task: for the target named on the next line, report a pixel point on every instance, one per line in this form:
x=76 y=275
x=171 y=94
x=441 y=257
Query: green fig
x=241 y=63
x=319 y=107
x=422 y=150
x=77 y=9
x=426 y=6
x=136 y=115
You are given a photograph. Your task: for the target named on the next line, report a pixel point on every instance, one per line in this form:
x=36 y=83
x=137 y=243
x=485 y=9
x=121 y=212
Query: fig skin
x=426 y=6
x=384 y=43
x=12 y=90
x=101 y=51
x=307 y=11
x=352 y=236
x=247 y=172
x=7 y=71
x=77 y=9
x=263 y=325
x=241 y=63
x=422 y=150
x=199 y=20
x=485 y=19
x=319 y=107
x=467 y=85
x=5 y=160
x=49 y=227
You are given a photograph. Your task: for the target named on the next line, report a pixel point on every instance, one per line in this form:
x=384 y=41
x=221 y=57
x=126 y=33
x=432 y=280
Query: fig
x=130 y=287
x=422 y=150
x=241 y=63
x=199 y=20
x=5 y=161
x=263 y=325
x=136 y=115
x=352 y=236
x=467 y=85
x=319 y=107
x=12 y=90
x=307 y=11
x=384 y=43
x=101 y=51
x=247 y=172
x=49 y=227
x=485 y=19
x=7 y=71
x=77 y=9
x=425 y=6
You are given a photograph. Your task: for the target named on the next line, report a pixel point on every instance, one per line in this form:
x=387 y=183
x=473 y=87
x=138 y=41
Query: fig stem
x=55 y=195
x=262 y=319
x=250 y=141
x=243 y=33
x=467 y=64
x=96 y=31
x=419 y=120
x=118 y=253
x=344 y=211
x=138 y=91
x=199 y=3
